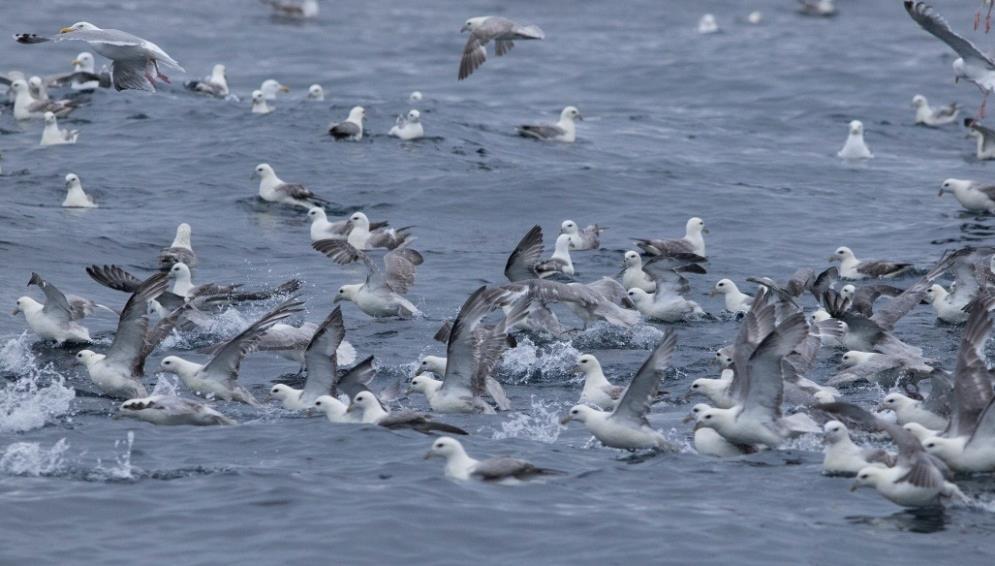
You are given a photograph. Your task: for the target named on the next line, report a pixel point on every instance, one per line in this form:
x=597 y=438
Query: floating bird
x=972 y=195
x=460 y=466
x=75 y=197
x=843 y=457
x=669 y=301
x=215 y=84
x=408 y=127
x=563 y=131
x=855 y=148
x=58 y=319
x=908 y=410
x=364 y=236
x=27 y=107
x=274 y=189
x=382 y=294
x=134 y=61
x=180 y=251
x=582 y=239
x=85 y=75
x=736 y=301
x=259 y=103
x=879 y=368
x=219 y=377
x=818 y=8
x=626 y=426
x=693 y=242
x=985 y=138
x=52 y=135
x=316 y=93
x=707 y=24
x=852 y=268
x=597 y=391
x=351 y=128
x=271 y=88
x=297 y=9
x=525 y=261
x=484 y=29
x=928 y=116
x=707 y=442
x=371 y=411
x=172 y=410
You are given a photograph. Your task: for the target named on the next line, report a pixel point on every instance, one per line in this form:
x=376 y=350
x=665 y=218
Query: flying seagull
x=134 y=61
x=486 y=28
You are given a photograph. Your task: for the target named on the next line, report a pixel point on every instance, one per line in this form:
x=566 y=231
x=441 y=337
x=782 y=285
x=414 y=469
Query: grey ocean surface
x=740 y=128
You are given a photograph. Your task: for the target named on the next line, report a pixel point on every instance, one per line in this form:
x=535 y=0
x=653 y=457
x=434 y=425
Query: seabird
x=715 y=389
x=271 y=88
x=52 y=135
x=180 y=251
x=818 y=8
x=707 y=24
x=736 y=301
x=75 y=197
x=322 y=229
x=172 y=410
x=525 y=261
x=58 y=319
x=298 y=9
x=363 y=236
x=316 y=93
x=27 y=107
x=908 y=410
x=582 y=239
x=602 y=300
x=259 y=103
x=371 y=411
x=852 y=268
x=484 y=29
x=984 y=136
x=134 y=61
x=708 y=442
x=408 y=127
x=274 y=189
x=669 y=302
x=855 y=148
x=597 y=391
x=85 y=76
x=563 y=131
x=692 y=243
x=215 y=84
x=916 y=479
x=843 y=457
x=460 y=466
x=927 y=116
x=972 y=65
x=118 y=373
x=626 y=426
x=219 y=377
x=879 y=368
x=382 y=294
x=972 y=195
x=351 y=128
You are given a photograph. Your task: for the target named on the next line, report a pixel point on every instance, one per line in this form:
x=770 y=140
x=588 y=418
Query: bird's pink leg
x=977 y=19
x=161 y=76
x=988 y=18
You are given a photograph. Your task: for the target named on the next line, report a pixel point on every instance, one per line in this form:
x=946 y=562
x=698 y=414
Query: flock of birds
x=761 y=400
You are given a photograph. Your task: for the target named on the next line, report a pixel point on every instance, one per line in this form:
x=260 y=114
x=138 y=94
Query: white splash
x=122 y=468
x=540 y=422
x=166 y=384
x=30 y=459
x=525 y=359
x=38 y=397
x=16 y=356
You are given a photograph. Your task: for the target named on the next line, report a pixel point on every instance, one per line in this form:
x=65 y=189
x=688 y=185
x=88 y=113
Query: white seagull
x=483 y=29
x=75 y=197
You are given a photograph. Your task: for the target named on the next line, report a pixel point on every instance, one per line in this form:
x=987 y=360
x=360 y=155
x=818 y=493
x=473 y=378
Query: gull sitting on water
x=715 y=389
x=946 y=305
x=818 y=8
x=216 y=84
x=909 y=410
x=271 y=88
x=351 y=128
x=172 y=410
x=371 y=411
x=875 y=367
x=408 y=127
x=134 y=61
x=972 y=65
x=561 y=255
x=852 y=268
x=219 y=377
x=626 y=426
x=52 y=135
x=298 y=9
x=708 y=442
x=693 y=242
x=259 y=103
x=364 y=236
x=471 y=356
x=483 y=29
x=321 y=364
x=972 y=195
x=118 y=373
x=707 y=24
x=274 y=189
x=928 y=116
x=855 y=148
x=736 y=301
x=382 y=294
x=563 y=131
x=582 y=239
x=460 y=466
x=597 y=391
x=525 y=261
x=27 y=107
x=84 y=76
x=844 y=457
x=916 y=479
x=323 y=229
x=984 y=136
x=634 y=276
x=180 y=251
x=669 y=302
x=58 y=319
x=315 y=93
x=75 y=197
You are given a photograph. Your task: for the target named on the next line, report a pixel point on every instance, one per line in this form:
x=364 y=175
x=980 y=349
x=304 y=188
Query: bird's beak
x=580 y=117
x=284 y=88
x=956 y=80
x=566 y=419
x=15 y=311
x=75 y=62
x=428 y=455
x=854 y=487
x=940 y=194
x=832 y=258
x=880 y=407
x=65 y=30
x=464 y=28
x=687 y=419
x=713 y=292
x=337 y=299
x=704 y=231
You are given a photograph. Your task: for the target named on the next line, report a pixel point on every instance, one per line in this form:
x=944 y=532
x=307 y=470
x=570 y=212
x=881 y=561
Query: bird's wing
x=638 y=396
x=764 y=388
x=297 y=192
x=521 y=263
x=462 y=350
x=114 y=277
x=160 y=330
x=474 y=55
x=132 y=74
x=929 y=20
x=320 y=359
x=972 y=390
x=129 y=340
x=224 y=365
x=356 y=379
x=540 y=131
x=57 y=306
x=399 y=269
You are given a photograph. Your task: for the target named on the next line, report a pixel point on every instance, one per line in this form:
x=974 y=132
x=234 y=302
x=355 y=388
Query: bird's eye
x=695 y=386
x=317 y=403
x=931 y=445
x=575 y=412
x=708 y=417
x=583 y=361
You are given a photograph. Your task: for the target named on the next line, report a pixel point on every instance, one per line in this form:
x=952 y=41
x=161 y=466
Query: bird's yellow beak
x=284 y=88
x=65 y=30
x=74 y=62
